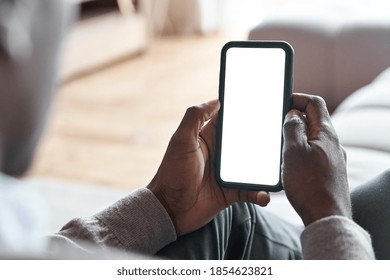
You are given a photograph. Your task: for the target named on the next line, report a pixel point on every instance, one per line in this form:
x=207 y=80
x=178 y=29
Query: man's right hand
x=314 y=163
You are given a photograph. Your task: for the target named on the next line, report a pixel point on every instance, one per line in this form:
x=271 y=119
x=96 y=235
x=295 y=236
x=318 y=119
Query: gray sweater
x=139 y=223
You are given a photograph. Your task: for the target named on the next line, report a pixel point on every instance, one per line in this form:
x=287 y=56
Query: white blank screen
x=252 y=115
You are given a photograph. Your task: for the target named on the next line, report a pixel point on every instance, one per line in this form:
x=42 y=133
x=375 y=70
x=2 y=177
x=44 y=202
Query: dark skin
x=185 y=182
x=314 y=163
x=313 y=170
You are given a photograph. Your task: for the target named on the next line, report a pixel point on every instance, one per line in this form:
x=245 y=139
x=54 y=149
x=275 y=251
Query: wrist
x=325 y=213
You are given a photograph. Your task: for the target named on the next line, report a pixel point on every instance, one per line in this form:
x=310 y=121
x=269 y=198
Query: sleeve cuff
x=139 y=222
x=336 y=237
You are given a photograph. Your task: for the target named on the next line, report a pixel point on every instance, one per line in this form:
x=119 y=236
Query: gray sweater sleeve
x=136 y=223
x=336 y=237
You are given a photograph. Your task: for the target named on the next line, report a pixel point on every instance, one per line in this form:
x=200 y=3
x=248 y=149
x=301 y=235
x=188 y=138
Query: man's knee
x=370 y=204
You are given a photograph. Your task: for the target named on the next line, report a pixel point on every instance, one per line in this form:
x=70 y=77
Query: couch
x=342 y=55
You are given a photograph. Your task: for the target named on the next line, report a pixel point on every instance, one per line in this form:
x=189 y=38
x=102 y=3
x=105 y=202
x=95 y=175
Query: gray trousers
x=246 y=231
x=371 y=210
x=242 y=231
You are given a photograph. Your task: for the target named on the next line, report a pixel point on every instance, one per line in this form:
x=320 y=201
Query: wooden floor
x=111 y=127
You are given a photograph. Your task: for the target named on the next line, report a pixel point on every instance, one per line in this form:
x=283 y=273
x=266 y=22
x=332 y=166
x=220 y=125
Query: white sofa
x=338 y=48
x=362 y=122
x=339 y=51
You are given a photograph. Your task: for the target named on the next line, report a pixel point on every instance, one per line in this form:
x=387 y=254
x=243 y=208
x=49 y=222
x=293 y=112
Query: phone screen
x=255 y=92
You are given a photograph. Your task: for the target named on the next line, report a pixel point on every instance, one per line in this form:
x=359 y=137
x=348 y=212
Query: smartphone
x=255 y=94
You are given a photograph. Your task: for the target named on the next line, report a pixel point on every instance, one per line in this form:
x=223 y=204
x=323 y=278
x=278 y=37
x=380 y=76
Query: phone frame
x=287 y=105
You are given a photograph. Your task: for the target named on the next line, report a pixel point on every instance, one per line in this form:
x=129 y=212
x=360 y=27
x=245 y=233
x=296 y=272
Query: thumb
x=294 y=129
x=195 y=117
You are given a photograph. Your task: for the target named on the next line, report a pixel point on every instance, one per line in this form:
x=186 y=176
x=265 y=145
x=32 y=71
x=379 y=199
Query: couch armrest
x=336 y=52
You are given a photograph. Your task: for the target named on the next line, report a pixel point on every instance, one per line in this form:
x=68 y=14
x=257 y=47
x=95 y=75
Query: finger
x=208 y=132
x=313 y=106
x=196 y=116
x=294 y=129
x=317 y=115
x=260 y=198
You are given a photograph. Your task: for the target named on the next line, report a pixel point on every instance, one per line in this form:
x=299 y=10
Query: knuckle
x=330 y=132
x=318 y=100
x=193 y=111
x=292 y=122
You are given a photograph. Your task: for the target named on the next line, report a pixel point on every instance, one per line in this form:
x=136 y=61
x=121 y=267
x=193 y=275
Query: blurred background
x=129 y=71
x=130 y=68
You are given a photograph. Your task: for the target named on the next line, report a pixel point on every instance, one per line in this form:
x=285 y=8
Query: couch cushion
x=364 y=164
x=376 y=94
x=339 y=46
x=362 y=122
x=366 y=127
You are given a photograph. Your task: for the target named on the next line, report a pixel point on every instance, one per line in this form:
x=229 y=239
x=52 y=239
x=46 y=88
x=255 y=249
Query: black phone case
x=287 y=105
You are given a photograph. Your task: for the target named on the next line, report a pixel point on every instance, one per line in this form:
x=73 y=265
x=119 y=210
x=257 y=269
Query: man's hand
x=314 y=163
x=185 y=182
